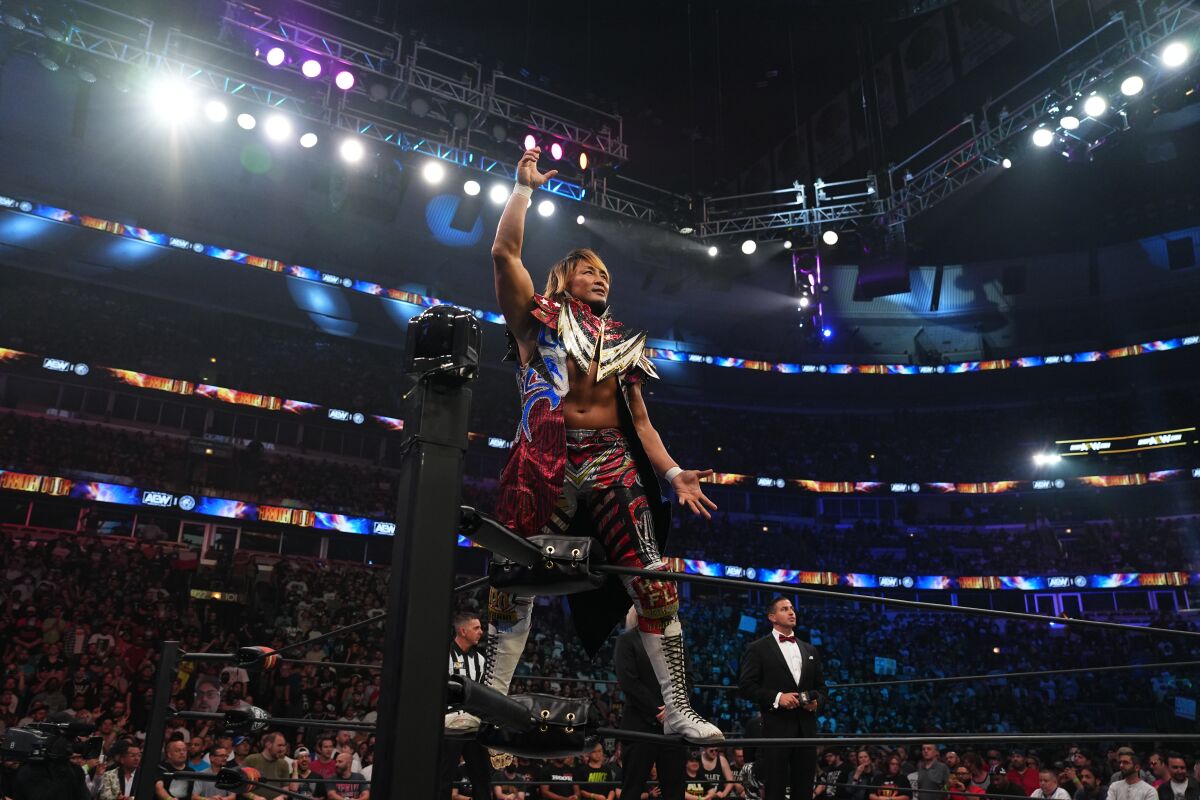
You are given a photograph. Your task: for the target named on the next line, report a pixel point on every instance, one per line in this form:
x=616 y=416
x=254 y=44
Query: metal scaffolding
x=423 y=100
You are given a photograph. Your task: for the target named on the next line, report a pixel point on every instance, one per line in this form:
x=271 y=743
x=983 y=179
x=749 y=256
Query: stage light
x=352 y=150
x=749 y=246
x=583 y=160
x=1042 y=137
x=308 y=140
x=556 y=151
x=419 y=107
x=1175 y=54
x=830 y=238
x=712 y=250
x=311 y=68
x=472 y=188
x=1046 y=459
x=246 y=122
x=545 y=208
x=499 y=133
x=498 y=194
x=1006 y=163
x=805 y=302
x=1132 y=85
x=433 y=172
x=15 y=19
x=530 y=141
x=1069 y=123
x=50 y=57
x=787 y=244
x=580 y=220
x=173 y=100
x=276 y=56
x=344 y=80
x=216 y=111
x=277 y=127
x=55 y=28
x=827 y=333
x=1095 y=106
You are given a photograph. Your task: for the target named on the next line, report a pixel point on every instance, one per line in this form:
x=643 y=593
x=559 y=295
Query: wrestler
x=585 y=452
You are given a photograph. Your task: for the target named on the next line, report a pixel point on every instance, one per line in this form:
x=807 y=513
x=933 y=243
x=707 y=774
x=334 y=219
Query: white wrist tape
x=671 y=473
x=523 y=190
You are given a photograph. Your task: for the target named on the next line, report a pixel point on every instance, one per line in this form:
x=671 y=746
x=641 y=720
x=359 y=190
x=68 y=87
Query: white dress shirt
x=793 y=657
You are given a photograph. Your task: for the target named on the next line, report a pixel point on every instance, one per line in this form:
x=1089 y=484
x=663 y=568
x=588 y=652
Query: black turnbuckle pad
x=559 y=727
x=563 y=567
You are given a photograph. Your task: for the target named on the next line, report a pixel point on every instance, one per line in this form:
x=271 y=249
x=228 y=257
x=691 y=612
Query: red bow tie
x=783 y=638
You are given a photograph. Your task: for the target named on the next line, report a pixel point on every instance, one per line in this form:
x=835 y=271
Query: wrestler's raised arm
x=514 y=287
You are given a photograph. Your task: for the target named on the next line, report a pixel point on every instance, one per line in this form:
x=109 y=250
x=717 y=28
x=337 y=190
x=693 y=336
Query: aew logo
x=1160 y=439
x=158 y=499
x=1089 y=447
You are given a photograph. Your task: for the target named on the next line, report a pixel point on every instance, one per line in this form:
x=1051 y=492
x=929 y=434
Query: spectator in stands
x=1157 y=764
x=175 y=761
x=325 y=764
x=345 y=772
x=303 y=778
x=892 y=783
x=118 y=783
x=218 y=756
x=931 y=772
x=1090 y=785
x=1048 y=788
x=1180 y=785
x=1022 y=773
x=981 y=775
x=271 y=763
x=1128 y=783
x=595 y=768
x=198 y=754
x=959 y=784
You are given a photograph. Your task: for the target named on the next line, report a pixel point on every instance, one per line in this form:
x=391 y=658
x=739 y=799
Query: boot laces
x=676 y=667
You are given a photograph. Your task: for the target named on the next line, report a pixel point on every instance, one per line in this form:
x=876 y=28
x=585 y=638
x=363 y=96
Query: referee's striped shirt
x=468 y=664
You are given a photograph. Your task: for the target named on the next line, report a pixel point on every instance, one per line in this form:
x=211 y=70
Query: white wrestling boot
x=668 y=660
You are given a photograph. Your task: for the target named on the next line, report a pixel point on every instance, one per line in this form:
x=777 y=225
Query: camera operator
x=53 y=777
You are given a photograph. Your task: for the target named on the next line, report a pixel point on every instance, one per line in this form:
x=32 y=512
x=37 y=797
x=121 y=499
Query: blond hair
x=560 y=274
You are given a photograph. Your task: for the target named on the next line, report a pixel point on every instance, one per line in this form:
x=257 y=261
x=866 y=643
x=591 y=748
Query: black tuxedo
x=764 y=675
x=642 y=699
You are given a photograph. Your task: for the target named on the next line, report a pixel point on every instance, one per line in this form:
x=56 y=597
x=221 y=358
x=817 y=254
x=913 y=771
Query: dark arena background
x=919 y=282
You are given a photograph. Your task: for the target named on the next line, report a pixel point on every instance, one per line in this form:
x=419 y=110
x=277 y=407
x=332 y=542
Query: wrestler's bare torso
x=587 y=405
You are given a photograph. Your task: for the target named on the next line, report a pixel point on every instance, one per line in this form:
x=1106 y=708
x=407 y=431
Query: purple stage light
x=276 y=56
x=530 y=141
x=311 y=68
x=556 y=151
x=344 y=80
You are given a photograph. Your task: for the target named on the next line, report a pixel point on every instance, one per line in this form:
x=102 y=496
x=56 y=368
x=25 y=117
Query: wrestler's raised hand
x=527 y=171
x=687 y=488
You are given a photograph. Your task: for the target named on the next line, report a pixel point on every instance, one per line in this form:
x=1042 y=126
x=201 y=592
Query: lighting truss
x=605 y=135
x=980 y=152
x=309 y=39
x=974 y=146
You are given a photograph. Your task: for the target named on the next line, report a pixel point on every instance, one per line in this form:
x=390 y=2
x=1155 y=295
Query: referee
x=466 y=661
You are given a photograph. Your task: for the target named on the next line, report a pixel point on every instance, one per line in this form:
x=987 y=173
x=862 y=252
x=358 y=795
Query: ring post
x=412 y=702
x=156 y=726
